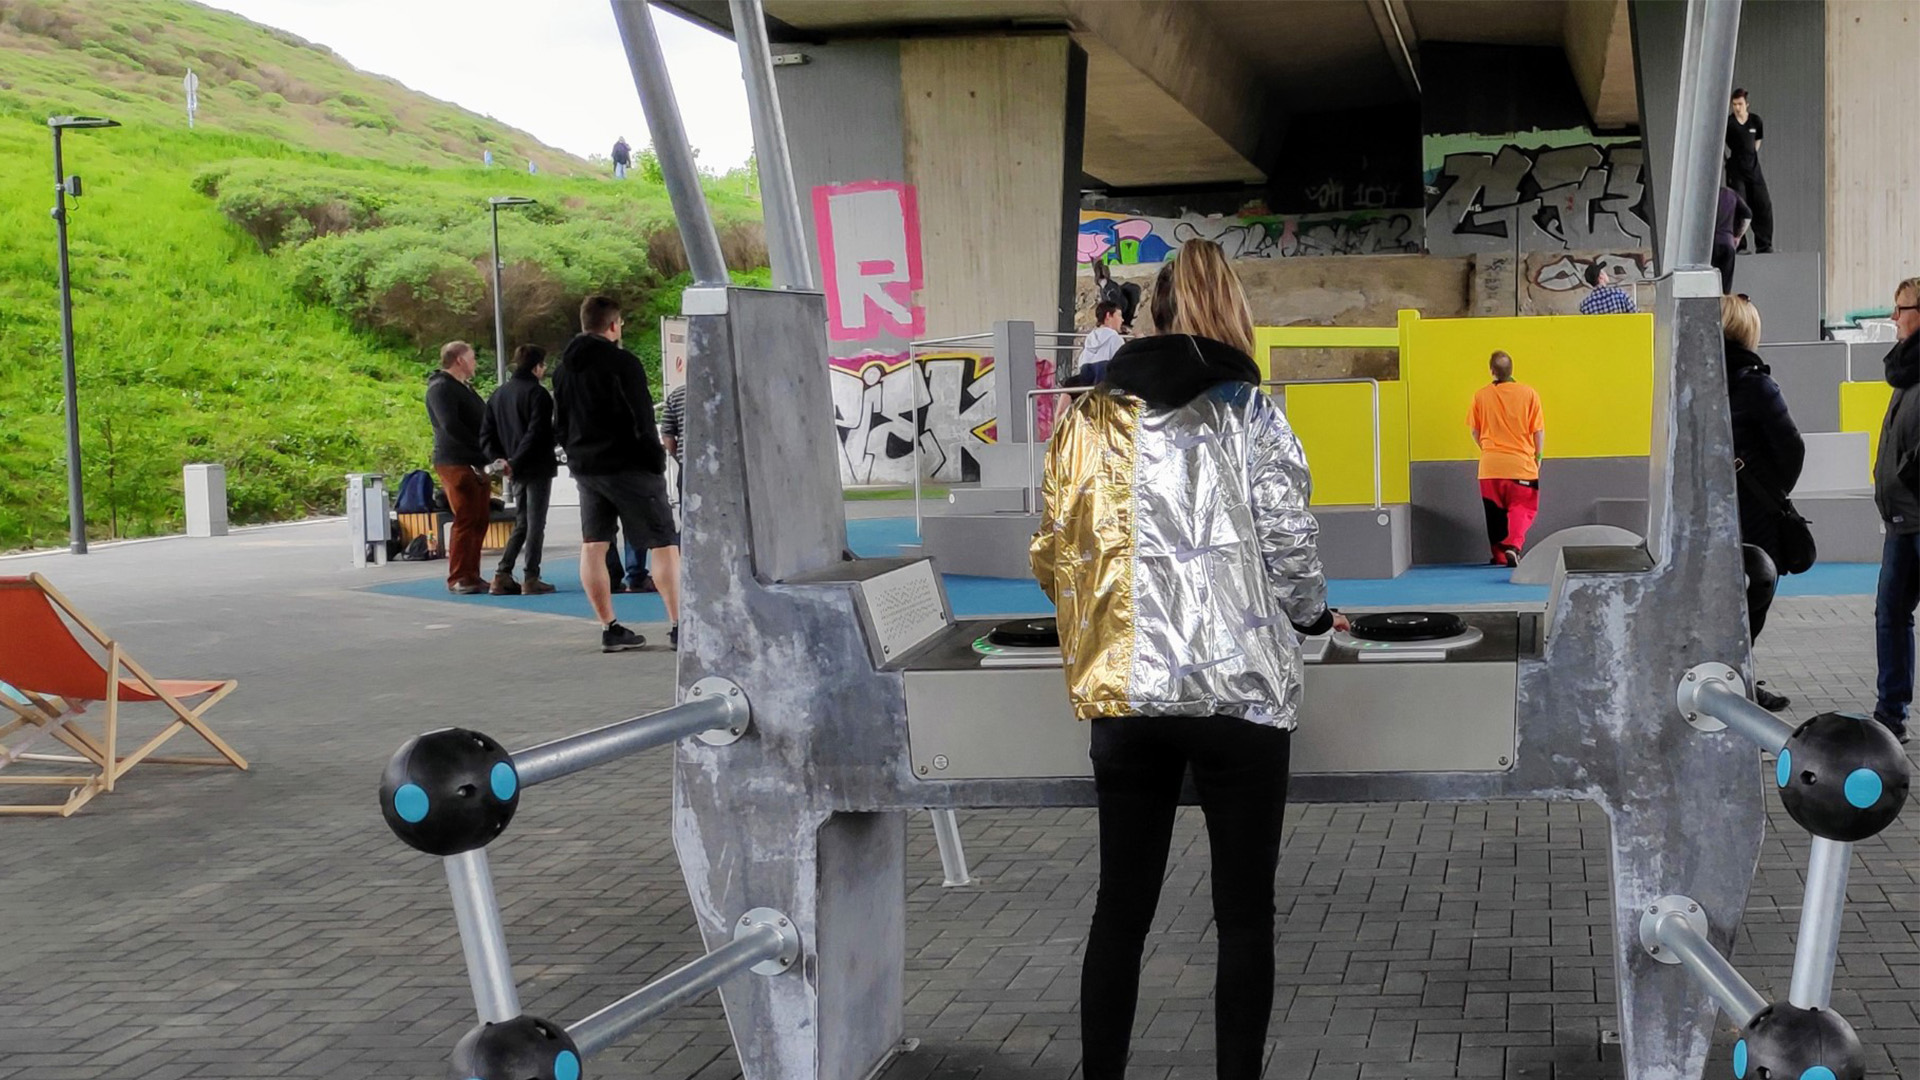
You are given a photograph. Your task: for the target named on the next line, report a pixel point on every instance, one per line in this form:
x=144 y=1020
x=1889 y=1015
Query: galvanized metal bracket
x=1687 y=694
x=1660 y=909
x=739 y=710
x=780 y=924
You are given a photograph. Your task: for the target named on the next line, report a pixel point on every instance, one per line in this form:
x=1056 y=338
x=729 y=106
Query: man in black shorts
x=604 y=415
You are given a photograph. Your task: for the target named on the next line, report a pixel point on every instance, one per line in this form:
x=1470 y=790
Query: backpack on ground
x=415 y=495
x=416 y=550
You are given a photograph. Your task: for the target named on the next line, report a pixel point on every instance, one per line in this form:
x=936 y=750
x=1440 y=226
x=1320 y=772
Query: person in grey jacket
x=1177 y=545
x=1896 y=491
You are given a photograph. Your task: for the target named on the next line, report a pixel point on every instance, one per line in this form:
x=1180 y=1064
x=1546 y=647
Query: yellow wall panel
x=1335 y=425
x=1594 y=374
x=1863 y=405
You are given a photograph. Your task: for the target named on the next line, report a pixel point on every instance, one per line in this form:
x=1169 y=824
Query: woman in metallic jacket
x=1178 y=549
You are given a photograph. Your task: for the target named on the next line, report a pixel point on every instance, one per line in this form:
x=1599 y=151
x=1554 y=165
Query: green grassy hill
x=267 y=290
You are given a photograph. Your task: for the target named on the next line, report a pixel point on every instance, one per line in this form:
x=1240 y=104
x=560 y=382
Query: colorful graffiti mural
x=1567 y=273
x=1591 y=195
x=1117 y=238
x=884 y=403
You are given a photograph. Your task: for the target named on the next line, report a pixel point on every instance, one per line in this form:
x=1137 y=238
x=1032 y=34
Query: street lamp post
x=64 y=186
x=499 y=317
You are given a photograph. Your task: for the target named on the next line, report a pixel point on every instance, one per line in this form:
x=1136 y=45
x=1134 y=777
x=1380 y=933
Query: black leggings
x=1240 y=772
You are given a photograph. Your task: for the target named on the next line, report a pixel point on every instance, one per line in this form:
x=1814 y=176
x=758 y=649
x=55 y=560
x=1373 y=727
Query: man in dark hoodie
x=604 y=415
x=519 y=430
x=457 y=413
x=1896 y=490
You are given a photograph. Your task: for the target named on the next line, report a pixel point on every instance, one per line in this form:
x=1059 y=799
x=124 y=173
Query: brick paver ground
x=267 y=925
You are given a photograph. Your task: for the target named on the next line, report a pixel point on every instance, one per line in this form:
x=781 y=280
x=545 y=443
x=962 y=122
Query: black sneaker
x=1898 y=727
x=673 y=637
x=1769 y=700
x=617 y=638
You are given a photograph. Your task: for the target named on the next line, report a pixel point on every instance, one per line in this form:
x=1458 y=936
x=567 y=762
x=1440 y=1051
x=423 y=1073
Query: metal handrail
x=1378 y=492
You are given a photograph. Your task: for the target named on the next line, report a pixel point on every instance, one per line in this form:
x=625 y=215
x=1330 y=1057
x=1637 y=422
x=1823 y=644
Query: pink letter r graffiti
x=870 y=257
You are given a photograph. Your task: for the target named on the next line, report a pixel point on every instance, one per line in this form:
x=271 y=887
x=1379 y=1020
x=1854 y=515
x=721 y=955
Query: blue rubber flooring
x=1423 y=586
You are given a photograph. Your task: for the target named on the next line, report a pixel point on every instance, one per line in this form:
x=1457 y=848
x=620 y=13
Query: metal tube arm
x=482 y=939
x=670 y=142
x=1816 y=948
x=1673 y=931
x=716 y=709
x=764 y=942
x=1713 y=697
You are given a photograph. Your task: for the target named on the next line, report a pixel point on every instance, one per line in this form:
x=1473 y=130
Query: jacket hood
x=1740 y=358
x=589 y=345
x=1903 y=363
x=1169 y=370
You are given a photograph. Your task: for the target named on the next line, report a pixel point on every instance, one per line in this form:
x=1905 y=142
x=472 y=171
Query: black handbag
x=1792 y=549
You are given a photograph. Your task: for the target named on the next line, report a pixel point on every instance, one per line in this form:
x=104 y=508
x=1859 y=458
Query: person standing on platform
x=519 y=430
x=604 y=416
x=1508 y=428
x=1178 y=633
x=457 y=413
x=1730 y=219
x=1896 y=490
x=1606 y=297
x=1744 y=176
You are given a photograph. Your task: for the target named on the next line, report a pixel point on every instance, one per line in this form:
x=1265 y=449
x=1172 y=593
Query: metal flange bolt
x=1686 y=696
x=1664 y=908
x=767 y=918
x=739 y=709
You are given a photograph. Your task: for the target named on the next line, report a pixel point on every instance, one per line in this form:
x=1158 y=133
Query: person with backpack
x=1179 y=634
x=1768 y=455
x=519 y=430
x=604 y=415
x=457 y=413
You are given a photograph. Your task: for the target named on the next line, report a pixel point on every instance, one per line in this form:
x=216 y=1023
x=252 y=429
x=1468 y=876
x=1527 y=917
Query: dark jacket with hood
x=1896 y=472
x=603 y=410
x=1765 y=440
x=456 y=413
x=519 y=427
x=1176 y=541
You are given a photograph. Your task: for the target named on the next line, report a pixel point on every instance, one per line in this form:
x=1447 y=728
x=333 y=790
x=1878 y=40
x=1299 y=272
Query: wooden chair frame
x=57 y=717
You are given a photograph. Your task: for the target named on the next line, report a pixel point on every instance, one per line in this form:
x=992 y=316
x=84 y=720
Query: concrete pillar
x=206 y=493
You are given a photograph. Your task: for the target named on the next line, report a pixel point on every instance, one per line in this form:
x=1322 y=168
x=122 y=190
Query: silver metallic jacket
x=1177 y=546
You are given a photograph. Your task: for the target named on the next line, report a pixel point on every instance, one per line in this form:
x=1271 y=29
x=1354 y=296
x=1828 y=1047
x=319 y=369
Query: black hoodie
x=1896 y=474
x=1169 y=370
x=603 y=412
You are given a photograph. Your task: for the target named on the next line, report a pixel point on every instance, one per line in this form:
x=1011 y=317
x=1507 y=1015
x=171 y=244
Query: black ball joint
x=1842 y=776
x=449 y=791
x=523 y=1048
x=1786 y=1042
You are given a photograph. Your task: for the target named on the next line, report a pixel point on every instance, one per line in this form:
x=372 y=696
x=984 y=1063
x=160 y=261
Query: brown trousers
x=468 y=493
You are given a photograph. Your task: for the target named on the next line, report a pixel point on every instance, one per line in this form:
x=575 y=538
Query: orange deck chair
x=56 y=674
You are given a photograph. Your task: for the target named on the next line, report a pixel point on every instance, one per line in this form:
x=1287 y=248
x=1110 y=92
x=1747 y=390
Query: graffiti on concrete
x=1130 y=240
x=884 y=403
x=1585 y=197
x=1334 y=194
x=1567 y=273
x=869 y=235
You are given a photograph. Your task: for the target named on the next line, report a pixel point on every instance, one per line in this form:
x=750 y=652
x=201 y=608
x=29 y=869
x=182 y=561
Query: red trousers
x=470 y=495
x=1511 y=506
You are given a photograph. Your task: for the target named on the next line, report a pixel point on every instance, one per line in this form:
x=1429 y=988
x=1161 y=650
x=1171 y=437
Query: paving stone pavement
x=219 y=924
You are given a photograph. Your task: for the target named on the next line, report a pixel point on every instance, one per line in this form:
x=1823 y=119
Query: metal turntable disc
x=1408 y=626
x=1026 y=634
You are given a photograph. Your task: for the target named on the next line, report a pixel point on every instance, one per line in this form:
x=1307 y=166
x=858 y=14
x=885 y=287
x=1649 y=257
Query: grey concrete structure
x=1809 y=372
x=1449 y=526
x=1785 y=286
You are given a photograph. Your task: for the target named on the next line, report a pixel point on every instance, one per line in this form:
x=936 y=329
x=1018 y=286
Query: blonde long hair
x=1209 y=301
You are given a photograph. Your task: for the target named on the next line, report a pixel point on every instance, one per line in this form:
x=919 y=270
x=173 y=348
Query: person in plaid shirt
x=673 y=433
x=1605 y=299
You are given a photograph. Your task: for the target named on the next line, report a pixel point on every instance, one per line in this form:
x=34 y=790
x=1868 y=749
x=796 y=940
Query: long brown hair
x=1208 y=298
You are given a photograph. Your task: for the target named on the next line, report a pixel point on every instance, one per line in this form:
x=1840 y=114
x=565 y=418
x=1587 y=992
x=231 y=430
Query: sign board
x=673 y=353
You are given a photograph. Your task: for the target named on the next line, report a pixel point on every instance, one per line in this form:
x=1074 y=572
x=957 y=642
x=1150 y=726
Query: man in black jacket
x=457 y=413
x=604 y=415
x=519 y=430
x=1896 y=491
x=1744 y=175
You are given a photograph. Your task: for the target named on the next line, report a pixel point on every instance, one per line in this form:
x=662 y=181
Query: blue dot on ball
x=1818 y=1072
x=505 y=781
x=1740 y=1058
x=567 y=1067
x=1783 y=768
x=1863 y=787
x=410 y=802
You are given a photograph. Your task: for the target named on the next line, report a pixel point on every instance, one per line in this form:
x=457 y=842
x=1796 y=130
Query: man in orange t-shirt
x=1508 y=429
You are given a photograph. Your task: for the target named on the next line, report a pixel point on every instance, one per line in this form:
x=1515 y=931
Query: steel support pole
x=499 y=318
x=755 y=946
x=565 y=756
x=1718 y=977
x=670 y=142
x=953 y=855
x=779 y=199
x=1706 y=80
x=1730 y=707
x=76 y=499
x=481 y=937
x=1817 y=946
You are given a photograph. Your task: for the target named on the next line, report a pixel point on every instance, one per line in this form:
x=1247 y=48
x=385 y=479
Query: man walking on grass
x=1508 y=428
x=604 y=416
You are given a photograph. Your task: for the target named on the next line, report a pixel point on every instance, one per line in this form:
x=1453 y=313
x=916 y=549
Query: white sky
x=556 y=69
